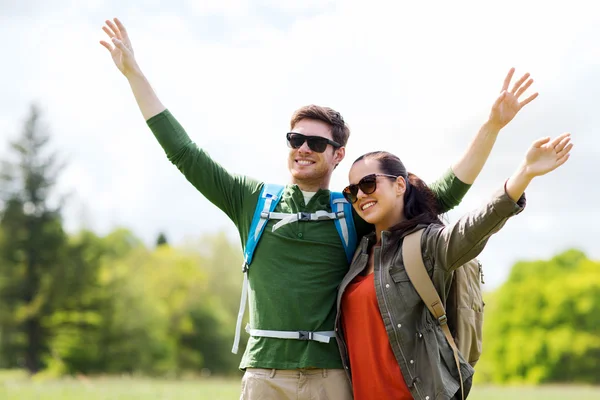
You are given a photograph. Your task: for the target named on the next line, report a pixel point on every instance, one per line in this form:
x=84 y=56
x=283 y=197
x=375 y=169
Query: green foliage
x=142 y=311
x=161 y=240
x=221 y=260
x=543 y=324
x=90 y=304
x=33 y=249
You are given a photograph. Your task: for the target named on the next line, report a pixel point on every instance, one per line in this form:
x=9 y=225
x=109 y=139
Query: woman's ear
x=400 y=186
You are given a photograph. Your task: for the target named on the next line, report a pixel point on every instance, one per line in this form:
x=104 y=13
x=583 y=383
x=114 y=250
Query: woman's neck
x=388 y=224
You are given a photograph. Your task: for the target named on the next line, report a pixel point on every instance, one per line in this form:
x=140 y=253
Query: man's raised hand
x=122 y=51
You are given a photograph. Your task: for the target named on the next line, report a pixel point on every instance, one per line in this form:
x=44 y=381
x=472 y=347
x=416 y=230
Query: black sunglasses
x=315 y=143
x=368 y=184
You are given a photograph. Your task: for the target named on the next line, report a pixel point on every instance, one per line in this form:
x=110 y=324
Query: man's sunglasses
x=367 y=185
x=315 y=143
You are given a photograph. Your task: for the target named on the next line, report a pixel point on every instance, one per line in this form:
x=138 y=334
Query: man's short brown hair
x=339 y=130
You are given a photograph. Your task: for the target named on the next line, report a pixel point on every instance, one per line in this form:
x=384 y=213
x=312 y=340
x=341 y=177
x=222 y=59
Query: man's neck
x=311 y=186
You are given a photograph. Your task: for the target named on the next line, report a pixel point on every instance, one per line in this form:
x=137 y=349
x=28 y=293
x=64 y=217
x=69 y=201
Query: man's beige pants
x=295 y=384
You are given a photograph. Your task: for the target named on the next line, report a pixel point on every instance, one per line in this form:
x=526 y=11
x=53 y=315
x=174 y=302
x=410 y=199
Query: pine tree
x=32 y=247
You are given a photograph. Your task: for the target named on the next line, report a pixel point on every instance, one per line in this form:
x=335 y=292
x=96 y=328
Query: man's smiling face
x=311 y=170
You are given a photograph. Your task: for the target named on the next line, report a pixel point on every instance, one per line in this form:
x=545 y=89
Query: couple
x=300 y=268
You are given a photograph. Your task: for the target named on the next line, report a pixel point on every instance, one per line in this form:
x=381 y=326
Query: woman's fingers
x=565 y=151
x=540 y=142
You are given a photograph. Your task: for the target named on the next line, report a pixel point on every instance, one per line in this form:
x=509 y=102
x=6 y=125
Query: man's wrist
x=135 y=74
x=491 y=127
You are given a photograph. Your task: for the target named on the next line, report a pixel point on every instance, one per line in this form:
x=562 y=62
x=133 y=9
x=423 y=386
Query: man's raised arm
x=232 y=193
x=123 y=57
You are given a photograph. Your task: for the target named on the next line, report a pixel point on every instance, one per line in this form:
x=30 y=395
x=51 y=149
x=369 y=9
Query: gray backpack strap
x=417 y=273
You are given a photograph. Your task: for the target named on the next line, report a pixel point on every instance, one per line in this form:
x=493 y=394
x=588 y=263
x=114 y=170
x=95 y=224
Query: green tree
x=221 y=262
x=161 y=240
x=33 y=246
x=77 y=327
x=543 y=324
x=137 y=310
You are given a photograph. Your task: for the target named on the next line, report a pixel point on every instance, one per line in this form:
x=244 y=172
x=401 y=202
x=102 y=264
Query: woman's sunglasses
x=315 y=143
x=367 y=185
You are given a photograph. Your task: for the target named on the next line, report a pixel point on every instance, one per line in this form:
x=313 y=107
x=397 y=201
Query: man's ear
x=339 y=155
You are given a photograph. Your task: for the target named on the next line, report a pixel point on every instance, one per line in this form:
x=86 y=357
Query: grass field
x=14 y=386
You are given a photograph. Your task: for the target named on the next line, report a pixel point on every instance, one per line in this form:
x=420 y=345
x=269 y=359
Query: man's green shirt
x=296 y=270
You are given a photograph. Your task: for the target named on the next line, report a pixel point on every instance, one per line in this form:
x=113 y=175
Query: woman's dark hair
x=420 y=203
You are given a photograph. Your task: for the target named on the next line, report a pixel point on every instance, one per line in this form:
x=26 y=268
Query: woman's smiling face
x=382 y=207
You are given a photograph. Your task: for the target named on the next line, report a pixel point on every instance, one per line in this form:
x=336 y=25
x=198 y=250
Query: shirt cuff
x=505 y=206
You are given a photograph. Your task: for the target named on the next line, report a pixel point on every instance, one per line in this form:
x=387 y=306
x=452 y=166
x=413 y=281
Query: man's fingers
x=108 y=46
x=523 y=88
x=121 y=46
x=528 y=100
x=508 y=79
x=108 y=32
x=124 y=34
x=518 y=83
x=121 y=26
x=114 y=28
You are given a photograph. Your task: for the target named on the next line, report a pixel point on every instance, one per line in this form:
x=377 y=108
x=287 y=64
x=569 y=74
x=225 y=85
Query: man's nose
x=304 y=148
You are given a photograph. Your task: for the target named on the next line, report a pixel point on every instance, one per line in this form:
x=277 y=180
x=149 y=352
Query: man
x=298 y=266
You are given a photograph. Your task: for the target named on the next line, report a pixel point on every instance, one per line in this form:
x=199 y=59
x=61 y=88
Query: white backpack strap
x=264 y=217
x=321 y=336
x=269 y=197
x=320 y=215
x=339 y=205
x=238 y=324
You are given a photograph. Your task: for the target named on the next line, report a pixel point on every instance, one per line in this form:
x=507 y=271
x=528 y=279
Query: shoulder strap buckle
x=303 y=216
x=305 y=335
x=443 y=320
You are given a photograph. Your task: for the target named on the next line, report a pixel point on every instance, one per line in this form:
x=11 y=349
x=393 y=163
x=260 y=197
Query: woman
x=389 y=342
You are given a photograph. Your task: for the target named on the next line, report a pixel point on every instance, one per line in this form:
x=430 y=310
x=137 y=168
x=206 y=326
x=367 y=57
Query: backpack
x=461 y=319
x=269 y=197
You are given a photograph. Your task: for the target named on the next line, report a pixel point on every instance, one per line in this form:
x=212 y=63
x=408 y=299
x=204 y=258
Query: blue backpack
x=341 y=214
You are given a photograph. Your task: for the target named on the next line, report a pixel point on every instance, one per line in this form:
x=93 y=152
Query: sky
x=414 y=78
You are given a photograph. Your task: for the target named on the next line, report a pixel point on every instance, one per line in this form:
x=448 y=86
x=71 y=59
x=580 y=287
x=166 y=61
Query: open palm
x=544 y=155
x=508 y=104
x=122 y=52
